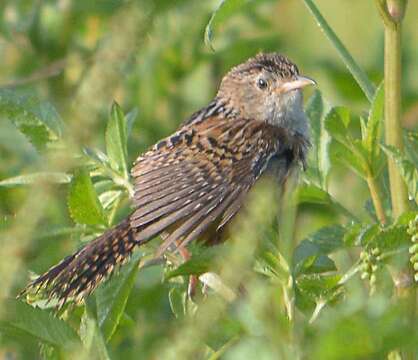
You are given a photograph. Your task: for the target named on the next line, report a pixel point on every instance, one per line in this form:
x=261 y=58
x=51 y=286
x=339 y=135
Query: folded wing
x=198 y=177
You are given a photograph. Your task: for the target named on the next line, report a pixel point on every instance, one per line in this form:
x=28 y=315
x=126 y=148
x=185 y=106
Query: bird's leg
x=193 y=279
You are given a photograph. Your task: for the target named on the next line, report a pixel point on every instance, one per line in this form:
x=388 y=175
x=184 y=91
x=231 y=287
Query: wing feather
x=176 y=189
x=166 y=205
x=232 y=209
x=212 y=214
x=160 y=224
x=199 y=218
x=198 y=177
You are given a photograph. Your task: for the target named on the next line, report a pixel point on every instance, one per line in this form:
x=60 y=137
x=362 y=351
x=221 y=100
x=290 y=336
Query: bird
x=199 y=177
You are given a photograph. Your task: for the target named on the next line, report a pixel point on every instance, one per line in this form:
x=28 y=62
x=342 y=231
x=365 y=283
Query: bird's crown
x=272 y=62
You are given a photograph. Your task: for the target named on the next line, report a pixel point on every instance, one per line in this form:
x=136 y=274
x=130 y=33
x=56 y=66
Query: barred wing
x=198 y=177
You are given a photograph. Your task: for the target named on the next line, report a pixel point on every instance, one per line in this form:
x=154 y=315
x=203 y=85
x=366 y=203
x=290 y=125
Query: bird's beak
x=300 y=82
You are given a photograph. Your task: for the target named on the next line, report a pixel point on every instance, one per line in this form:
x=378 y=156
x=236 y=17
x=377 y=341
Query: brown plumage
x=199 y=177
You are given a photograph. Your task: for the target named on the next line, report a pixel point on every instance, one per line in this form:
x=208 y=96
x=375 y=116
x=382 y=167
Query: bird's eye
x=262 y=84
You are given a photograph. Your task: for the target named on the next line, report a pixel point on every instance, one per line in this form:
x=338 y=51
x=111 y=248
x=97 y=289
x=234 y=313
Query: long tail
x=80 y=273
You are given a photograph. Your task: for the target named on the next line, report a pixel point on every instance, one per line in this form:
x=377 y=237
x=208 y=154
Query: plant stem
x=377 y=201
x=359 y=75
x=384 y=14
x=393 y=130
x=392 y=12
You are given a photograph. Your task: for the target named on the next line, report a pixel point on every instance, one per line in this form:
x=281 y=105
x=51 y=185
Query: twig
x=52 y=70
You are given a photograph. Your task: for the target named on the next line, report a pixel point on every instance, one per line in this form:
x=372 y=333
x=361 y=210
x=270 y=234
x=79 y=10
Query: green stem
x=377 y=201
x=287 y=238
x=393 y=130
x=392 y=12
x=359 y=75
x=384 y=14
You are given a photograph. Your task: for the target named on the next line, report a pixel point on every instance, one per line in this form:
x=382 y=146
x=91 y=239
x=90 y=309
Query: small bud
x=413 y=249
x=416 y=266
x=396 y=9
x=373 y=279
x=364 y=276
x=364 y=267
x=374 y=268
x=414 y=258
x=375 y=251
x=416 y=277
x=414 y=238
x=363 y=255
x=412 y=227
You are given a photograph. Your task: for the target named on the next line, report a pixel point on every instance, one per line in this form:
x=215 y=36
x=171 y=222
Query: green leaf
x=366 y=234
x=365 y=333
x=223 y=335
x=309 y=193
x=351 y=152
x=406 y=218
x=320 y=288
x=408 y=170
x=411 y=146
x=116 y=140
x=111 y=297
x=308 y=258
x=224 y=10
x=37 y=120
x=39 y=324
x=49 y=177
x=329 y=238
x=48 y=352
x=130 y=117
x=372 y=235
x=336 y=123
x=351 y=235
x=177 y=298
x=314 y=111
x=83 y=204
x=391 y=238
x=273 y=265
x=195 y=266
x=355 y=162
x=363 y=127
x=371 y=133
x=387 y=238
x=359 y=75
x=97 y=157
x=372 y=136
x=198 y=264
x=91 y=335
x=320 y=137
x=310 y=255
x=108 y=198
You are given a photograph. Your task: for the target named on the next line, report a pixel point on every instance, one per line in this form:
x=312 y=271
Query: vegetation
x=333 y=277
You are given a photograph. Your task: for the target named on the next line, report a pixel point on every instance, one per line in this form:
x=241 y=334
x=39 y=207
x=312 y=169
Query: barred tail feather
x=79 y=274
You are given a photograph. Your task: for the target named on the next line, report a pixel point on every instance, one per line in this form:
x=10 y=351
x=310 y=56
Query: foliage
x=253 y=300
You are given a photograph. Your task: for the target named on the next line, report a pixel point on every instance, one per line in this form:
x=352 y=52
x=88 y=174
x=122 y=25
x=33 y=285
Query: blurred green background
x=151 y=55
x=81 y=55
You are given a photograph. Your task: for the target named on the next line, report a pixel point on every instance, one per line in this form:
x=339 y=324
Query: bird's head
x=267 y=88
